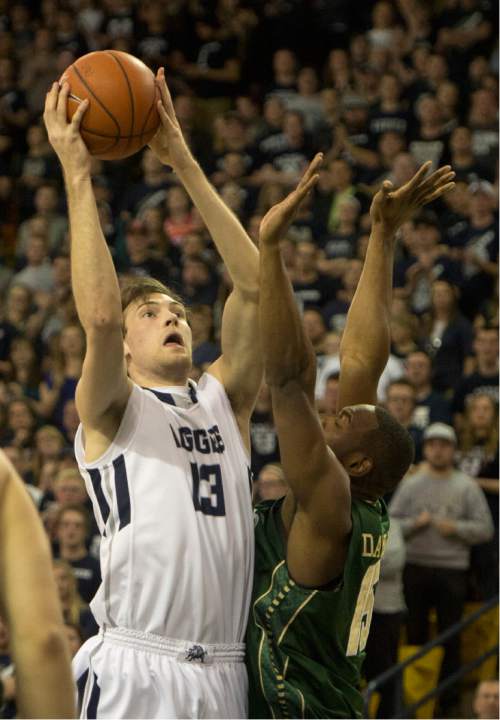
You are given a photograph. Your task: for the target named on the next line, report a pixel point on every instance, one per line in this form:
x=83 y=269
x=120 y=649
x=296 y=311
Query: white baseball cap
x=440 y=431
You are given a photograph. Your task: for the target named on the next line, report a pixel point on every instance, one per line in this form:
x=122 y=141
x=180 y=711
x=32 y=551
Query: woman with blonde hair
x=478 y=457
x=74 y=609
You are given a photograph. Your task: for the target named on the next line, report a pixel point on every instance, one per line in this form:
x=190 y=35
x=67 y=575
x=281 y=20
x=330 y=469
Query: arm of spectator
x=486 y=266
x=401 y=507
x=104 y=388
x=477 y=525
x=488 y=484
x=240 y=366
x=229 y=73
x=362 y=156
x=44 y=686
x=394 y=556
x=365 y=345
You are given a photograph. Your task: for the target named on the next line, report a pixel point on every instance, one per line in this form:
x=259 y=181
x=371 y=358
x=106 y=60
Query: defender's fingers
x=419 y=175
x=438 y=183
x=79 y=113
x=51 y=97
x=311 y=169
x=437 y=193
x=437 y=177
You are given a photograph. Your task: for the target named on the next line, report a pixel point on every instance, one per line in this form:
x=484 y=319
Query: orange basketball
x=122 y=115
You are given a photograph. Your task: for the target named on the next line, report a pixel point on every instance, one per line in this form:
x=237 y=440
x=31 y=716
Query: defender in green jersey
x=318 y=549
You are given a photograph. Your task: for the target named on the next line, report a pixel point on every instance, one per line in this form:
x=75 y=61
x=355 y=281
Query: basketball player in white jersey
x=30 y=606
x=165 y=462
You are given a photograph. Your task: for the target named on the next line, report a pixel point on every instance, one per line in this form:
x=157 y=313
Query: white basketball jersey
x=172 y=500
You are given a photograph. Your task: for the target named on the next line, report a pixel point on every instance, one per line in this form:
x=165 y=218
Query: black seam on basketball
x=130 y=94
x=103 y=135
x=82 y=79
x=149 y=111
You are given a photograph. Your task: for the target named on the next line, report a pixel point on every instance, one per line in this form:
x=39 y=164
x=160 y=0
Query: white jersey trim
x=123 y=438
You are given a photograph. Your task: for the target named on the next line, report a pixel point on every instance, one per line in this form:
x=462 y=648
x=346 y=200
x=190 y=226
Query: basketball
x=122 y=115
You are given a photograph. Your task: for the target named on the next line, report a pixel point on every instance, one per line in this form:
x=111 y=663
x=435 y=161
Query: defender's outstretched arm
x=321 y=523
x=365 y=345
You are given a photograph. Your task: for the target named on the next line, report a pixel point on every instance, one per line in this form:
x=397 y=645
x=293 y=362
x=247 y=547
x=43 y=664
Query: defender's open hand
x=278 y=219
x=391 y=208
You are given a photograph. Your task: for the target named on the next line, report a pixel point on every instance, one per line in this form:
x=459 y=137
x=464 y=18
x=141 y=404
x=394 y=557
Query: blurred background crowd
x=259 y=87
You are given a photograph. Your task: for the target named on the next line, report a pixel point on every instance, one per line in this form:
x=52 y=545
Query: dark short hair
x=400 y=381
x=140 y=288
x=392 y=450
x=80 y=509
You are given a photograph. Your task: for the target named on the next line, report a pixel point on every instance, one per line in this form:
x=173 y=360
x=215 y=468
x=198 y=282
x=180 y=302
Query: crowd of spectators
x=259 y=87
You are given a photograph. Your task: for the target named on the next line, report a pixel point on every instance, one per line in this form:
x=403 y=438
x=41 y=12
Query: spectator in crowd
x=46 y=203
x=310 y=286
x=265 y=449
x=484 y=378
x=72 y=528
x=59 y=384
x=38 y=274
x=486 y=700
x=270 y=483
x=74 y=609
x=447 y=336
x=478 y=247
x=430 y=407
x=74 y=637
x=401 y=401
x=387 y=619
x=478 y=458
x=442 y=514
x=205 y=350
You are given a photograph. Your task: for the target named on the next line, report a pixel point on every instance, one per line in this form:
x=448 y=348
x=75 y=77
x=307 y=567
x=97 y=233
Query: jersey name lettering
x=203 y=441
x=370 y=549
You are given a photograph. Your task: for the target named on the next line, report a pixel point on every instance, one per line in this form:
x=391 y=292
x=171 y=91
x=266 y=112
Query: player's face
x=344 y=432
x=158 y=338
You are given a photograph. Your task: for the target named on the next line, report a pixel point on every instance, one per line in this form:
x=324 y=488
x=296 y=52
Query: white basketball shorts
x=126 y=674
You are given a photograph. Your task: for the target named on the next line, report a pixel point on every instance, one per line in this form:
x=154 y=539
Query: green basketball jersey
x=305 y=647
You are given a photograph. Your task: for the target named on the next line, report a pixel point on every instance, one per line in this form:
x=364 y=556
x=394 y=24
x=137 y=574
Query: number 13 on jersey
x=360 y=626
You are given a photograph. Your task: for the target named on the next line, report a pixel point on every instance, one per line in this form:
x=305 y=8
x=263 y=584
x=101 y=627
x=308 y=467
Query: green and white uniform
x=305 y=647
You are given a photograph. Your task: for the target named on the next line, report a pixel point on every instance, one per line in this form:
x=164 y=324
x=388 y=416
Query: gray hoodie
x=457 y=498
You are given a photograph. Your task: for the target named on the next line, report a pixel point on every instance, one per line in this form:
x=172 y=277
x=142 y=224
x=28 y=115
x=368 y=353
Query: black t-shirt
x=214 y=55
x=316 y=293
x=431 y=409
x=381 y=122
x=335 y=315
x=87 y=571
x=339 y=246
x=152 y=267
x=424 y=149
x=477 y=285
x=449 y=353
x=474 y=384
x=139 y=192
x=264 y=440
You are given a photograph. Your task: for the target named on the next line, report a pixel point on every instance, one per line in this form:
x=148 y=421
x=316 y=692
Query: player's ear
x=357 y=463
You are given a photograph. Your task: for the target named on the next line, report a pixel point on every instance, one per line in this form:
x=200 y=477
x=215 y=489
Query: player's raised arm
x=103 y=387
x=365 y=345
x=30 y=606
x=321 y=523
x=239 y=368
